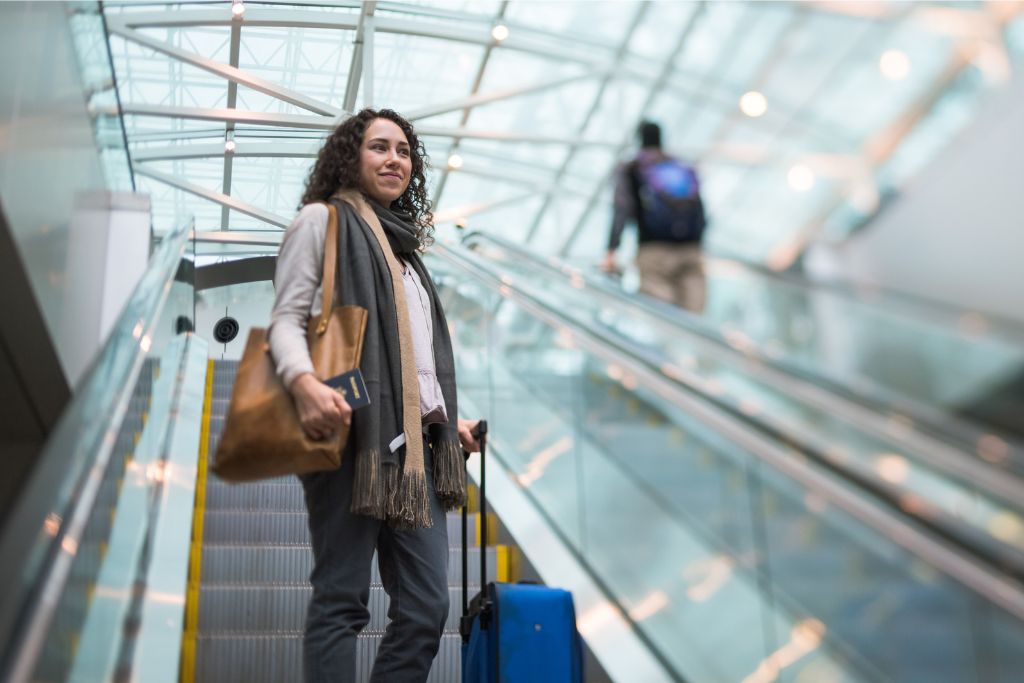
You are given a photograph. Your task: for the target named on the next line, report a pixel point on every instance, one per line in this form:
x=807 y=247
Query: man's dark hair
x=650 y=134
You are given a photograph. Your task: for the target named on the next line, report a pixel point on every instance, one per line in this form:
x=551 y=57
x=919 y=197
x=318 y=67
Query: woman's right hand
x=321 y=409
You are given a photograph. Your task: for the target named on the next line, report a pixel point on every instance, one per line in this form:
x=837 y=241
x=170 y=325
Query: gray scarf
x=382 y=489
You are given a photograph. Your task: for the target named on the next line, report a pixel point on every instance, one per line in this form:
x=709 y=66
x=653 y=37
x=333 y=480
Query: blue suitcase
x=515 y=633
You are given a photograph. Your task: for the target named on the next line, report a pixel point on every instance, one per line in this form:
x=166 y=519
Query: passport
x=351 y=387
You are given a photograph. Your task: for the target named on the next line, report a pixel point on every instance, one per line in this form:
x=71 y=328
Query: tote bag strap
x=330 y=264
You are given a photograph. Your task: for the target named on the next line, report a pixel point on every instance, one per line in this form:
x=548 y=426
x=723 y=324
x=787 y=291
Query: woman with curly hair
x=402 y=468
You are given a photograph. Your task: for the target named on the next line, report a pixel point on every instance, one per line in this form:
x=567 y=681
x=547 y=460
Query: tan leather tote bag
x=262 y=435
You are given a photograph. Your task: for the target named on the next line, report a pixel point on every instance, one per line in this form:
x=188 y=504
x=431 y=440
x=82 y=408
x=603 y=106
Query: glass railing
x=735 y=556
x=958 y=371
x=62 y=534
x=905 y=464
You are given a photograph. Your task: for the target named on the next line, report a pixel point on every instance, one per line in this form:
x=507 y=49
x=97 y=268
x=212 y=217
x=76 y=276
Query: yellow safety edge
x=188 y=642
x=492 y=528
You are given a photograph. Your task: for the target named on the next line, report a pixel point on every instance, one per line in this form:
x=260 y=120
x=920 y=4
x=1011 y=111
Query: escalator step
x=280 y=610
x=290 y=565
x=273 y=659
x=285 y=528
x=274 y=495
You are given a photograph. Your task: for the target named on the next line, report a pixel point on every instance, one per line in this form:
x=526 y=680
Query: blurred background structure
x=831 y=455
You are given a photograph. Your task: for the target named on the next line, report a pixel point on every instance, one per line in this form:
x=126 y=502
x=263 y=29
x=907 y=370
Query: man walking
x=662 y=196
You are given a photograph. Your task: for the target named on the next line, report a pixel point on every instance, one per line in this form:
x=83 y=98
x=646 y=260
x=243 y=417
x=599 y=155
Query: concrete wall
x=83 y=247
x=957 y=233
x=48 y=154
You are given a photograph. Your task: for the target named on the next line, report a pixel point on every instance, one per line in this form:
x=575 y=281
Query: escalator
x=703 y=527
x=887 y=452
x=730 y=551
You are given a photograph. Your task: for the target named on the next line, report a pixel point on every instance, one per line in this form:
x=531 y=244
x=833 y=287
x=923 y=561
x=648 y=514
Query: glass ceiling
x=539 y=101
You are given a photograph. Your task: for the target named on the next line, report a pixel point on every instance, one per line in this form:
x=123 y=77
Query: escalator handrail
x=40 y=536
x=1005 y=330
x=958 y=438
x=952 y=553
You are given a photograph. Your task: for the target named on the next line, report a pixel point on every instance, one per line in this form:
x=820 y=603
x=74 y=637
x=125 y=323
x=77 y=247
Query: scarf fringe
x=449 y=474
x=368 y=494
x=392 y=492
x=413 y=503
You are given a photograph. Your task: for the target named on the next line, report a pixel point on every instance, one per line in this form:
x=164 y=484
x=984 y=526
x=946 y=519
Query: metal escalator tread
x=265 y=610
x=253 y=565
x=254 y=589
x=278 y=658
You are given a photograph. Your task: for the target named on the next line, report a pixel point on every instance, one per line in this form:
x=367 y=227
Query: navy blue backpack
x=669 y=208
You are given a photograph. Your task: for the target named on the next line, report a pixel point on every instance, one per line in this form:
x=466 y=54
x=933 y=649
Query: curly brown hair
x=337 y=167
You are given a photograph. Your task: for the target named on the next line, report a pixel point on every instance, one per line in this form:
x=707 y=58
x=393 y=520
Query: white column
x=108 y=250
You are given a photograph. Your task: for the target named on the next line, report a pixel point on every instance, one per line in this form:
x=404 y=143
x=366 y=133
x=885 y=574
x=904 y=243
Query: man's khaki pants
x=672 y=273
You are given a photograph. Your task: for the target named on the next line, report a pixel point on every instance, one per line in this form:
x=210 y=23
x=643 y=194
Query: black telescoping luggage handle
x=480 y=432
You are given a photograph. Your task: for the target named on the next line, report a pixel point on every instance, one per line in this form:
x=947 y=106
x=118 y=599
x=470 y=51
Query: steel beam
x=744 y=155
x=595 y=105
x=476 y=100
x=262 y=238
x=474 y=89
x=466 y=210
x=304 y=121
x=368 y=61
x=309 y=122
x=235 y=49
x=216 y=197
x=355 y=68
x=244 y=149
x=235 y=272
x=524 y=39
x=226 y=71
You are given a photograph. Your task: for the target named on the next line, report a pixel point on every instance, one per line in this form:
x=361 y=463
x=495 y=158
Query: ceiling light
x=753 y=104
x=229 y=146
x=237 y=8
x=499 y=32
x=454 y=161
x=894 y=65
x=801 y=178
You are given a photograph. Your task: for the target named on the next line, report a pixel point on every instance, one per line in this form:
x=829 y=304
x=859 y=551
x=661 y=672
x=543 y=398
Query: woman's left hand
x=469 y=442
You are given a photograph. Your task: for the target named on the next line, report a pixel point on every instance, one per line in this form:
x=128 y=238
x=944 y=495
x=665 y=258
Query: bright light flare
x=894 y=65
x=499 y=32
x=753 y=104
x=801 y=178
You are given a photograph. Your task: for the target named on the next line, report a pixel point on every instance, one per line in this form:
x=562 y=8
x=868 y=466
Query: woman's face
x=385 y=161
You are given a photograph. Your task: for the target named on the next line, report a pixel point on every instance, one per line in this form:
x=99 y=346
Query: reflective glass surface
x=955 y=369
x=709 y=545
x=894 y=454
x=61 y=535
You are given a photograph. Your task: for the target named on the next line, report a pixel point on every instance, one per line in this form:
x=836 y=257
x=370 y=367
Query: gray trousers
x=413 y=568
